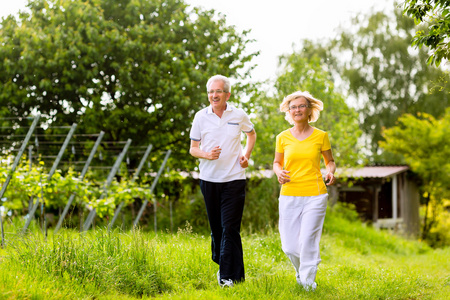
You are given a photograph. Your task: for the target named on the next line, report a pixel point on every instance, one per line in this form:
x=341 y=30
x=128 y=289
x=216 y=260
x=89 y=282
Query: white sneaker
x=310 y=288
x=226 y=283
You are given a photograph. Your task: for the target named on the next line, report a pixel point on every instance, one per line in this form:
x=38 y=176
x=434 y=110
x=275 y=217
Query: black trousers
x=225 y=205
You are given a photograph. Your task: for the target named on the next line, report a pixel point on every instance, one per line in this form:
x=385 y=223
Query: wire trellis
x=62 y=148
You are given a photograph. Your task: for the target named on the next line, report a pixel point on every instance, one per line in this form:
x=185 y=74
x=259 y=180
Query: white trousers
x=300 y=225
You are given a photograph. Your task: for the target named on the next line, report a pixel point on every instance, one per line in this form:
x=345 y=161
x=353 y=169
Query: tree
x=337 y=118
x=383 y=75
x=423 y=142
x=132 y=68
x=436 y=14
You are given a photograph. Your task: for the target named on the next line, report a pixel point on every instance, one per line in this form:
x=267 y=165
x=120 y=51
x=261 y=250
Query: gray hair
x=315 y=104
x=225 y=80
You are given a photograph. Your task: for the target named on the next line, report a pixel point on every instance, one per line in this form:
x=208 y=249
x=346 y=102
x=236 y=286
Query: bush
x=343 y=225
x=260 y=211
x=261 y=204
x=439 y=235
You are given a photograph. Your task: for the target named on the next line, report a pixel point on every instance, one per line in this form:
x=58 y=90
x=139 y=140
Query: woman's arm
x=331 y=166
x=278 y=162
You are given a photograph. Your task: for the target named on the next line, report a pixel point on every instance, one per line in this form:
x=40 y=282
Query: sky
x=275 y=25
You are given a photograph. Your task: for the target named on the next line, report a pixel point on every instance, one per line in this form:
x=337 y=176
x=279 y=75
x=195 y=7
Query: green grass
x=358 y=262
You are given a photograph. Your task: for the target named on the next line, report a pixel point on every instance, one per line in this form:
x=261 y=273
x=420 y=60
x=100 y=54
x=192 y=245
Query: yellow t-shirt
x=302 y=159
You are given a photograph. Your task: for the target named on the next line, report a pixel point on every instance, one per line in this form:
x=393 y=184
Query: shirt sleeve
x=195 y=133
x=326 y=142
x=247 y=125
x=279 y=147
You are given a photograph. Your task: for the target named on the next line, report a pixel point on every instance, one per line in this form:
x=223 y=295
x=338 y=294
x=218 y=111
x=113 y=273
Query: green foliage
x=423 y=142
x=107 y=262
x=383 y=75
x=260 y=210
x=35 y=184
x=125 y=191
x=268 y=123
x=188 y=208
x=355 y=265
x=439 y=234
x=340 y=121
x=134 y=69
x=340 y=223
x=261 y=204
x=435 y=14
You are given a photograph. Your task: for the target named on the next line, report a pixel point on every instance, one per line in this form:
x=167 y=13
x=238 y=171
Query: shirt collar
x=210 y=111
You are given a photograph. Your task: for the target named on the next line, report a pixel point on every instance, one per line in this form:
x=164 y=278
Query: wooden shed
x=387 y=196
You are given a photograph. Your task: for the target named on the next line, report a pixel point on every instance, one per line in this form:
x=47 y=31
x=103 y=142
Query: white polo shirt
x=225 y=132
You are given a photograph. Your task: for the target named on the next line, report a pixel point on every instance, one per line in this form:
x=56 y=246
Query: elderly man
x=216 y=141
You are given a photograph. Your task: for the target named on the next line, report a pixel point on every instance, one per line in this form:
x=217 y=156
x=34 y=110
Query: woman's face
x=299 y=110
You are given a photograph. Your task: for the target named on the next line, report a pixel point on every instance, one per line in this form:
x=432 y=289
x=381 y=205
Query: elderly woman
x=303 y=195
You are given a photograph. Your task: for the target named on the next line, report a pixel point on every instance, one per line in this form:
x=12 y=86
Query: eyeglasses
x=301 y=106
x=218 y=92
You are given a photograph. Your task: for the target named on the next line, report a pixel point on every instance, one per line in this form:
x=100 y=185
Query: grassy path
x=357 y=263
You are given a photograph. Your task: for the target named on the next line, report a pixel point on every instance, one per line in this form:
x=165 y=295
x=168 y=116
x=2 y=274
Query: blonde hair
x=315 y=104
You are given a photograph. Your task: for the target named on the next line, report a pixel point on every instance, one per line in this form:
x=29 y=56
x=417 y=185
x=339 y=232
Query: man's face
x=217 y=96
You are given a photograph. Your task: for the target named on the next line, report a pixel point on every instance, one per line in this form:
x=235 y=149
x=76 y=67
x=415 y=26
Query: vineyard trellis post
x=155 y=181
x=110 y=178
x=30 y=156
x=52 y=171
x=135 y=176
x=14 y=166
x=30 y=160
x=83 y=173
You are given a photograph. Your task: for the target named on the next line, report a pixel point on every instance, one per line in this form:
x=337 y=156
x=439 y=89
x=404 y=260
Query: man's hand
x=243 y=161
x=215 y=153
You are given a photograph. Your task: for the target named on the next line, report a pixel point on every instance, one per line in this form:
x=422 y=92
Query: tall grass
x=358 y=262
x=93 y=262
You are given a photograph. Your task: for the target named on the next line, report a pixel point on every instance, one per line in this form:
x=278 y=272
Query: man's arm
x=195 y=151
x=251 y=141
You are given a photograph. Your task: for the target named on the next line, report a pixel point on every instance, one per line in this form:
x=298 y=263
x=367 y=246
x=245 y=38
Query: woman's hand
x=330 y=179
x=283 y=176
x=331 y=167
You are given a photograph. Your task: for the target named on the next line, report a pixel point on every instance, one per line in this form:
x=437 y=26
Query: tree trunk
x=426 y=228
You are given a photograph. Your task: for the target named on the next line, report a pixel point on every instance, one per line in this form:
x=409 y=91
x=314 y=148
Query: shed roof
x=374 y=172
